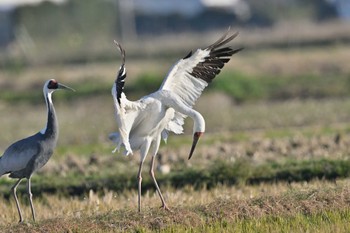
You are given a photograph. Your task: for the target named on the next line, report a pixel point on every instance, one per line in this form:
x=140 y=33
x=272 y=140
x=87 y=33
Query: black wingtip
x=237 y=50
x=122 y=51
x=188 y=55
x=121 y=75
x=208 y=69
x=224 y=39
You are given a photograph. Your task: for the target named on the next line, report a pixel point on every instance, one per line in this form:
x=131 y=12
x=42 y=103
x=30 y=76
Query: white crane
x=143 y=123
x=25 y=156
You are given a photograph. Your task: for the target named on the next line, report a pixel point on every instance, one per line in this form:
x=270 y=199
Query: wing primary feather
x=219 y=40
x=122 y=51
x=188 y=55
x=120 y=80
x=216 y=59
x=188 y=78
x=236 y=51
x=225 y=41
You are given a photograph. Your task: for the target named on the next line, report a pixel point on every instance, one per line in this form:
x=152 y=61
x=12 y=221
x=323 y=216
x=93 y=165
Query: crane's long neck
x=51 y=129
x=199 y=123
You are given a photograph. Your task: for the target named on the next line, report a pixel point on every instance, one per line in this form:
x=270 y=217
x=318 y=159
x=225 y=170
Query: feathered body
x=24 y=157
x=143 y=123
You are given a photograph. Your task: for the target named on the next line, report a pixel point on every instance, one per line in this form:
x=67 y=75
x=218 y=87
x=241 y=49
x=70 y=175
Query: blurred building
x=189 y=8
x=130 y=19
x=7 y=28
x=164 y=16
x=343 y=8
x=7 y=17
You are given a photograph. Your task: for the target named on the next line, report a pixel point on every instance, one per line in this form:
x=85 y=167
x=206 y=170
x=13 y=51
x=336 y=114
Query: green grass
x=327 y=221
x=35 y=96
x=243 y=87
x=239 y=86
x=241 y=172
x=295 y=210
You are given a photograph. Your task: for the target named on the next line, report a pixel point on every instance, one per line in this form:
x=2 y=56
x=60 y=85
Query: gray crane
x=25 y=156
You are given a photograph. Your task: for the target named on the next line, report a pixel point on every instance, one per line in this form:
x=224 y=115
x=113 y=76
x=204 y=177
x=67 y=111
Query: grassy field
x=317 y=206
x=275 y=157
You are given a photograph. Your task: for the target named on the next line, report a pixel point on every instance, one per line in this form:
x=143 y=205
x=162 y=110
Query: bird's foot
x=115 y=150
x=165 y=207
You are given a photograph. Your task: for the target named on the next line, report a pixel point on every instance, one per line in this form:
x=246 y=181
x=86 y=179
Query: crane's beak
x=64 y=87
x=196 y=137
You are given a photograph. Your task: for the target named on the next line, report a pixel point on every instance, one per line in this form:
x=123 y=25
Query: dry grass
x=295 y=129
x=191 y=209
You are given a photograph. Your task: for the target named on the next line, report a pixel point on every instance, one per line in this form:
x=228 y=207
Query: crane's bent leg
x=151 y=172
x=14 y=189
x=30 y=197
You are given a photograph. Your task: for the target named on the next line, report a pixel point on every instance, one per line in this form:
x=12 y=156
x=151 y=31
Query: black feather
x=120 y=80
x=215 y=61
x=188 y=55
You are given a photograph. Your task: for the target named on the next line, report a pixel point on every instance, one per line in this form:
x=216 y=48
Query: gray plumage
x=24 y=157
x=37 y=148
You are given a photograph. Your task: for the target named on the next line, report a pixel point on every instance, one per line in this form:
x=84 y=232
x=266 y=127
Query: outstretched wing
x=189 y=76
x=120 y=80
x=123 y=107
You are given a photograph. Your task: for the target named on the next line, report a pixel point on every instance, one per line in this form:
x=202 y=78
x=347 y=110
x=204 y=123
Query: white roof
x=164 y=7
x=182 y=7
x=220 y=3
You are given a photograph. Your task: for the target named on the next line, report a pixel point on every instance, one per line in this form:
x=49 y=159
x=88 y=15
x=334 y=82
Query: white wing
x=124 y=109
x=189 y=76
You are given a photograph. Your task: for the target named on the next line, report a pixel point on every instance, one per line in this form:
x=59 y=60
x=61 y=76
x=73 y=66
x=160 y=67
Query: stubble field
x=275 y=157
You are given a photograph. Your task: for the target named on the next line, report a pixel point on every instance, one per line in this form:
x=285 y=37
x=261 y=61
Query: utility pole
x=126 y=18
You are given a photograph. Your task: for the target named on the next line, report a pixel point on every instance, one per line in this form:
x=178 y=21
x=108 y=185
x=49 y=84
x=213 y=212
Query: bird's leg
x=14 y=189
x=143 y=152
x=139 y=177
x=30 y=198
x=151 y=172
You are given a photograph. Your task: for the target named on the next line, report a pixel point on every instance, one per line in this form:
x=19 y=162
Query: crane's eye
x=52 y=84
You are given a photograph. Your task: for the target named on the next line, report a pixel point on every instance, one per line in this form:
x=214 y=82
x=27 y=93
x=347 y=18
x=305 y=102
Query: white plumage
x=143 y=123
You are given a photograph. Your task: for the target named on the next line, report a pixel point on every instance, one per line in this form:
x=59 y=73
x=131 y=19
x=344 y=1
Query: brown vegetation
x=193 y=209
